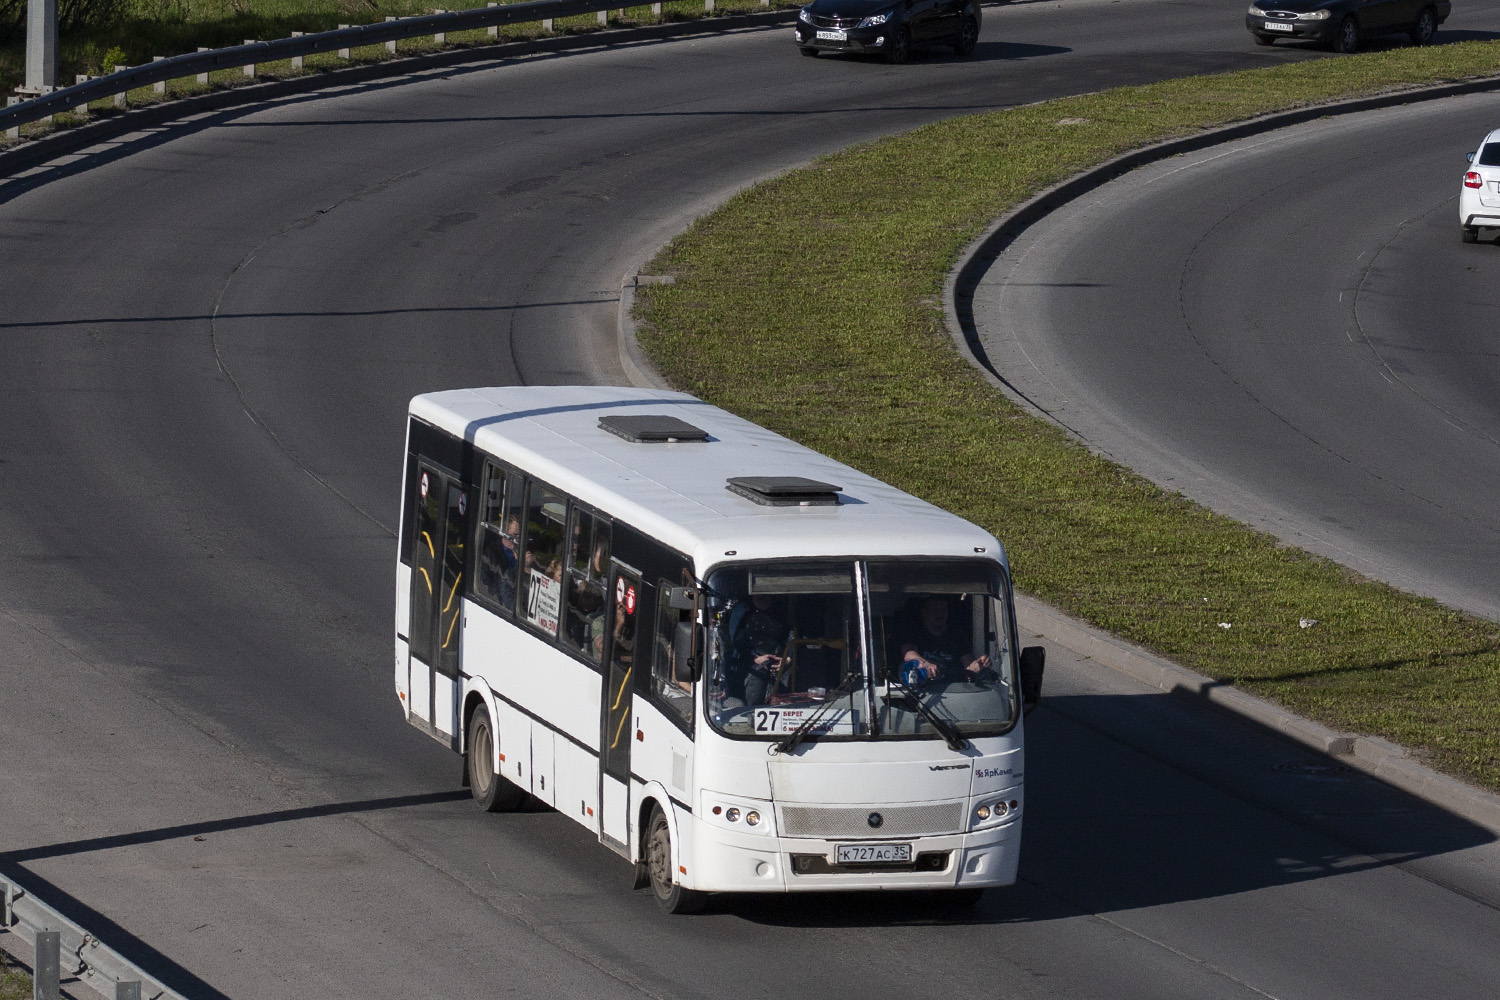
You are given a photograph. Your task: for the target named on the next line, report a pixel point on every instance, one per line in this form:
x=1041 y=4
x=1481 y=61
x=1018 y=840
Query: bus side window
x=499 y=540
x=542 y=560
x=588 y=568
x=674 y=695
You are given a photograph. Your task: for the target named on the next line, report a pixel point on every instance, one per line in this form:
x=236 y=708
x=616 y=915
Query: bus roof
x=677 y=491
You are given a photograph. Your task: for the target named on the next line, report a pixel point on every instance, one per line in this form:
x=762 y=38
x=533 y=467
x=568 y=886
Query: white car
x=1479 y=198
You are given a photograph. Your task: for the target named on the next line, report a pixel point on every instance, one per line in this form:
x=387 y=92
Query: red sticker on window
x=463 y=503
x=619 y=590
x=630 y=601
x=424 y=486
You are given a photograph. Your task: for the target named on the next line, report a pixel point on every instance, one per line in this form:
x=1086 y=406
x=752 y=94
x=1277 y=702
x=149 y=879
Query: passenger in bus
x=588 y=601
x=509 y=561
x=940 y=650
x=757 y=643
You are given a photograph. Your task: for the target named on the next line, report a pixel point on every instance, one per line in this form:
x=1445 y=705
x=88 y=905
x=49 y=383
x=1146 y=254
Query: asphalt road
x=1289 y=330
x=210 y=332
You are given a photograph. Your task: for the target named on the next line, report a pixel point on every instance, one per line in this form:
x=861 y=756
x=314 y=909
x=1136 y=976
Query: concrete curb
x=958 y=289
x=638 y=368
x=39 y=151
x=1380 y=758
x=1371 y=754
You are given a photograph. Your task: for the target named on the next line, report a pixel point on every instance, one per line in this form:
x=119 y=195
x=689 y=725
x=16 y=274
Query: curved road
x=210 y=334
x=1289 y=330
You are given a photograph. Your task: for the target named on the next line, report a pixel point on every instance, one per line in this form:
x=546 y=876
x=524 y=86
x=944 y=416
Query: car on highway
x=1479 y=198
x=1342 y=24
x=887 y=29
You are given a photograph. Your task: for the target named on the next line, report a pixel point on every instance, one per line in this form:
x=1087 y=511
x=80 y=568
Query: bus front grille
x=927 y=819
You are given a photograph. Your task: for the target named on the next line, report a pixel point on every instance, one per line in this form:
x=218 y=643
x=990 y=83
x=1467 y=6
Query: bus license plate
x=833 y=36
x=874 y=854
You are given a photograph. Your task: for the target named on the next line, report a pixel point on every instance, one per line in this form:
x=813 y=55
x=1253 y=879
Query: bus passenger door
x=616 y=734
x=437 y=562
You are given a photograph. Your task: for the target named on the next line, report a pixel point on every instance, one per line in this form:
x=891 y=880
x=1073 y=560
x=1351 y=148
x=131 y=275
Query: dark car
x=1341 y=24
x=881 y=27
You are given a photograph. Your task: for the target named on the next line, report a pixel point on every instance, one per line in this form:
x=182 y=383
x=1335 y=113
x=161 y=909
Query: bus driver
x=939 y=652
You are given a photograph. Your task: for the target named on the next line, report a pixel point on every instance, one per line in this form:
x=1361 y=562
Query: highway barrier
x=65 y=950
x=247 y=56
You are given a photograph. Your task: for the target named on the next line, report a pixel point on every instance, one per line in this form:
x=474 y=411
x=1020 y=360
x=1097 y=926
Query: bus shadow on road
x=1136 y=801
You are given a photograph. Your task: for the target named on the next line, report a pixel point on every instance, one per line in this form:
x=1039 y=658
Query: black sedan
x=1341 y=24
x=887 y=29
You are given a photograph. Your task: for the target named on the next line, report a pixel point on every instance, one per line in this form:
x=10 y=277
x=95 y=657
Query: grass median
x=14 y=984
x=811 y=304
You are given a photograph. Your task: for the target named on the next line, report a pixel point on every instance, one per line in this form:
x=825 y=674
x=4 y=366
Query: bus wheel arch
x=472 y=701
x=492 y=790
x=660 y=859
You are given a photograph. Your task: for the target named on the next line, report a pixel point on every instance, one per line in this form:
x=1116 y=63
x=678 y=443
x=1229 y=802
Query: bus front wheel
x=492 y=791
x=669 y=895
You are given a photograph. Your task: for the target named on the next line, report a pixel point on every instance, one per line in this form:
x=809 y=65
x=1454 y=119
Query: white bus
x=742 y=665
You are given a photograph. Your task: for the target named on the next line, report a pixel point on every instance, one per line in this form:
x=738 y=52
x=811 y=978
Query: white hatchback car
x=1479 y=198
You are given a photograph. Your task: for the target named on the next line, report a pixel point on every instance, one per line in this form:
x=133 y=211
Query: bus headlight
x=994 y=810
x=732 y=812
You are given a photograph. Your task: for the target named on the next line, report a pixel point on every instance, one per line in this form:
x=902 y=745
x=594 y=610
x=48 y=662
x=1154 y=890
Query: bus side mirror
x=1033 y=662
x=681 y=598
x=682 y=653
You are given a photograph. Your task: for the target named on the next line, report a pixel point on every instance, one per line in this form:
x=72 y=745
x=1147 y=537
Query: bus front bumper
x=730 y=862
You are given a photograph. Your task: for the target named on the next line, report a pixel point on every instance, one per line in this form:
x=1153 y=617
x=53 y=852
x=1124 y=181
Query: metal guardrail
x=339 y=40
x=63 y=949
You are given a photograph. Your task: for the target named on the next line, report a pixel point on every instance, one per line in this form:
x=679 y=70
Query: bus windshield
x=786 y=636
x=941 y=637
x=787 y=646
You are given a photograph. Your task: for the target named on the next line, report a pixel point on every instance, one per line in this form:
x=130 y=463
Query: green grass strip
x=14 y=984
x=812 y=304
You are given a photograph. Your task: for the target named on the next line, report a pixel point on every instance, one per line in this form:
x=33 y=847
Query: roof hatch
x=651 y=428
x=784 y=491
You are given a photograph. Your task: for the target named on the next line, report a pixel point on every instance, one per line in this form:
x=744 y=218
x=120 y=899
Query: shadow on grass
x=1362 y=668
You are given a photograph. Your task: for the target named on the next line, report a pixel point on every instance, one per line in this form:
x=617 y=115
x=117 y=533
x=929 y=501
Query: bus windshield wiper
x=801 y=733
x=946 y=729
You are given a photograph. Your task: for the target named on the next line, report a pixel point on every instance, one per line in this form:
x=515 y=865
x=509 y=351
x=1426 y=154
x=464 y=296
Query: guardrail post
x=127 y=991
x=45 y=970
x=493 y=30
x=203 y=77
x=250 y=67
x=708 y=5
x=441 y=38
x=41 y=46
x=297 y=60
x=120 y=97
x=343 y=53
x=390 y=46
x=82 y=109
x=603 y=17
x=656 y=10
x=546 y=24
x=160 y=86
x=7 y=914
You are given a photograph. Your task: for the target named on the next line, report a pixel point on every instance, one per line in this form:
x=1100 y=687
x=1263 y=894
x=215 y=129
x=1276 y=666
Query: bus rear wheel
x=669 y=895
x=492 y=791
